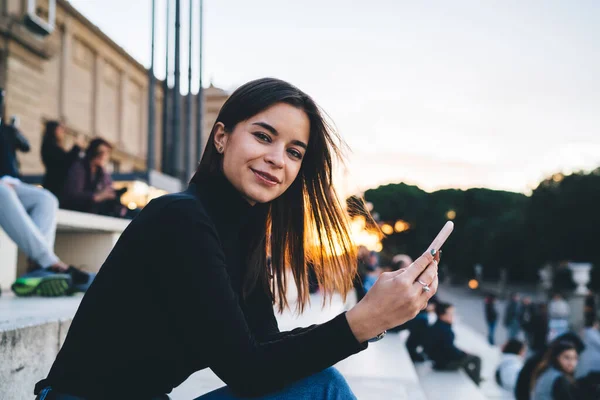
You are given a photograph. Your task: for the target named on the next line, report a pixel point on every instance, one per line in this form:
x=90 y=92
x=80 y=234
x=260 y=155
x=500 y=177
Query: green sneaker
x=42 y=282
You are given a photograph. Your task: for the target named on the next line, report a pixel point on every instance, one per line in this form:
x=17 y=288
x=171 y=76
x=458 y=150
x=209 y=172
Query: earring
x=220 y=149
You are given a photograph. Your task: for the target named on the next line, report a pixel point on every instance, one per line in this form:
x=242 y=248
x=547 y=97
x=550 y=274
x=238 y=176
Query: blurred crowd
x=543 y=359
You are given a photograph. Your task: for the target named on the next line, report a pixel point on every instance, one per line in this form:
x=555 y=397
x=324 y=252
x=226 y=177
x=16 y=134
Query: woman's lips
x=265 y=177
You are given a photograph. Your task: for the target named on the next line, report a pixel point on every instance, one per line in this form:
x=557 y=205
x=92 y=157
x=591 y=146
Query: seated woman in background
x=55 y=158
x=88 y=187
x=553 y=378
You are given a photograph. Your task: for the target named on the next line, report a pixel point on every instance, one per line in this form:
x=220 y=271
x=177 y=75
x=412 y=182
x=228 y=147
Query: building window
x=39 y=20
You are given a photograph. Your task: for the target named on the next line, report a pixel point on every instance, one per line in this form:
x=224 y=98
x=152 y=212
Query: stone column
x=97 y=113
x=65 y=57
x=122 y=107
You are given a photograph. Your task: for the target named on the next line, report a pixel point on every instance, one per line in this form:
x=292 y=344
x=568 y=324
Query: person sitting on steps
x=441 y=349
x=28 y=216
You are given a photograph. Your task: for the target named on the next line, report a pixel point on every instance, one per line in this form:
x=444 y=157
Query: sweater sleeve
x=207 y=312
x=74 y=194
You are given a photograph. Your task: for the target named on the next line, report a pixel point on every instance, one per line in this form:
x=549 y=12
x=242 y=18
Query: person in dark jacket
x=491 y=317
x=186 y=287
x=553 y=378
x=523 y=387
x=526 y=318
x=441 y=349
x=55 y=158
x=89 y=187
x=511 y=316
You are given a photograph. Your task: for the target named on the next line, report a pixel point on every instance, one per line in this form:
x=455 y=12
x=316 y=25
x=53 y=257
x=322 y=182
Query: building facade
x=78 y=75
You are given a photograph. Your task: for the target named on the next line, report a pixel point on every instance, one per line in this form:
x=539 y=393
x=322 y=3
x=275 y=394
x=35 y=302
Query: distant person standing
x=590 y=311
x=558 y=316
x=511 y=316
x=539 y=327
x=526 y=318
x=56 y=159
x=491 y=317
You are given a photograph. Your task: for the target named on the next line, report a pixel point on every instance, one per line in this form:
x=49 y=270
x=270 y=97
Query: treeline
x=500 y=230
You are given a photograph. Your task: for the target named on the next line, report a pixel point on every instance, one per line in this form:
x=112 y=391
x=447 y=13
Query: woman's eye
x=295 y=154
x=263 y=137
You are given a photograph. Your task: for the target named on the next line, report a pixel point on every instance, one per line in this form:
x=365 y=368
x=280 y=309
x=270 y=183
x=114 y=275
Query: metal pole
x=188 y=131
x=200 y=97
x=166 y=142
x=151 y=83
x=176 y=150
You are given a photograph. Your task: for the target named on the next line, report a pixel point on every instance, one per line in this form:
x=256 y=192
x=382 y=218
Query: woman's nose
x=276 y=157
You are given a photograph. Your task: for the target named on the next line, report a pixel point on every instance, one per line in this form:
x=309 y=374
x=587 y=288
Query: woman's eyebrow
x=275 y=133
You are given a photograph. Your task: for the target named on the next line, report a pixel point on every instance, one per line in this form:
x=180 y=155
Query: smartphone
x=440 y=239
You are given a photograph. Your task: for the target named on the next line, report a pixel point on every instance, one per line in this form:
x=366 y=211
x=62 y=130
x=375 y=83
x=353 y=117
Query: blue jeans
x=328 y=384
x=491 y=332
x=28 y=216
x=513 y=329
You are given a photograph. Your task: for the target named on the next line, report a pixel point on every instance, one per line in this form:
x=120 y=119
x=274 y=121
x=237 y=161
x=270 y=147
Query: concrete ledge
x=445 y=385
x=32 y=331
x=383 y=371
x=27 y=353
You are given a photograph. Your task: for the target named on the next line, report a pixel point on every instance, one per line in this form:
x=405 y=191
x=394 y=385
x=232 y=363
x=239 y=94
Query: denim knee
x=335 y=386
x=50 y=200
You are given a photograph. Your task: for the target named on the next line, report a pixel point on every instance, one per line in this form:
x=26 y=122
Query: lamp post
x=188 y=109
x=151 y=83
x=176 y=159
x=200 y=96
x=166 y=142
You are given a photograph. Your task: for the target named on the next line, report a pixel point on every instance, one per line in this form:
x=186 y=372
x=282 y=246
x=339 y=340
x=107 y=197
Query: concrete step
x=33 y=329
x=447 y=385
x=471 y=341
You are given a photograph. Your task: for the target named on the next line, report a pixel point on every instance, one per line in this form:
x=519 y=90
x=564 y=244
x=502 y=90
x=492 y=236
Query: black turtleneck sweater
x=167 y=302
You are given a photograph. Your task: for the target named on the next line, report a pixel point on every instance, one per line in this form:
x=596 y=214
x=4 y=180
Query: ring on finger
x=426 y=287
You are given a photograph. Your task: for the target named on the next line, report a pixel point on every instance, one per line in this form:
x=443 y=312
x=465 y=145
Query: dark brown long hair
x=306 y=225
x=551 y=360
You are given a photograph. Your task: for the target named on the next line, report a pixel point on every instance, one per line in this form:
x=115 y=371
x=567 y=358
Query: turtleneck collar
x=224 y=203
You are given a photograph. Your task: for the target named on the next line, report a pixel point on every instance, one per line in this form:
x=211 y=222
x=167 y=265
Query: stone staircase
x=33 y=329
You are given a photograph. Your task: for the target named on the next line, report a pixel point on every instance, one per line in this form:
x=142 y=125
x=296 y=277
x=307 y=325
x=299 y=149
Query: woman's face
x=263 y=155
x=103 y=157
x=568 y=361
x=60 y=133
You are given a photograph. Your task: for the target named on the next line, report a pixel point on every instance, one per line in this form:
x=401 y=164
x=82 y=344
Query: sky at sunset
x=496 y=94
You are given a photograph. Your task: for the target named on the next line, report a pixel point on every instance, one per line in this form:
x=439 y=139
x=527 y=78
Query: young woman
x=88 y=187
x=187 y=285
x=553 y=378
x=55 y=158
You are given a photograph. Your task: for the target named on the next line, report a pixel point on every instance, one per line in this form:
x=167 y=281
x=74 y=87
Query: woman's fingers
x=416 y=268
x=429 y=274
x=428 y=279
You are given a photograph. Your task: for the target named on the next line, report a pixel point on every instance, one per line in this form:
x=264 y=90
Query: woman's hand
x=106 y=194
x=395 y=298
x=80 y=141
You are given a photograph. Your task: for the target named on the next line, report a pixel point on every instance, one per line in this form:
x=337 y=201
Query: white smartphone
x=440 y=239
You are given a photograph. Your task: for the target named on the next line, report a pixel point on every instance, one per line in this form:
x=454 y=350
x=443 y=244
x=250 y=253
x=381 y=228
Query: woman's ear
x=220 y=138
